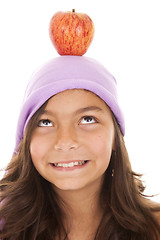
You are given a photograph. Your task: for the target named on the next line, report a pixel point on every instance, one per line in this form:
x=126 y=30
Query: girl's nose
x=66 y=140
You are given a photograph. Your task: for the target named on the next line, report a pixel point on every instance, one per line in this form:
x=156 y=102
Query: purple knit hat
x=68 y=72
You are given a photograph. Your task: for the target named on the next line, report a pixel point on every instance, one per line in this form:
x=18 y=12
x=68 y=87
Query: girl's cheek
x=34 y=149
x=103 y=143
x=37 y=147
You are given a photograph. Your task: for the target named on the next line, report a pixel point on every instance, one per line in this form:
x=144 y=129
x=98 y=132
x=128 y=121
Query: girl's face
x=72 y=143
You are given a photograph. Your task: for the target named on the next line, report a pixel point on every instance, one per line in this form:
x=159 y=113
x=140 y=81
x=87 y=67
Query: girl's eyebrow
x=90 y=108
x=81 y=110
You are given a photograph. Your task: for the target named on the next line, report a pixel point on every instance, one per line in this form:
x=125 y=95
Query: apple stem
x=73 y=10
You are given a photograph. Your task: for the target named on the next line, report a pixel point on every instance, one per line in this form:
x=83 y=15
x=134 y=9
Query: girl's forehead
x=75 y=97
x=76 y=100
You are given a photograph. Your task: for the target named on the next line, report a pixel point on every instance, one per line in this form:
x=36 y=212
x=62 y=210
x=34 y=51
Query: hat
x=68 y=72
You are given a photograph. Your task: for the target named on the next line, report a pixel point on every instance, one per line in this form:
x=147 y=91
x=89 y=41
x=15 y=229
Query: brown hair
x=30 y=208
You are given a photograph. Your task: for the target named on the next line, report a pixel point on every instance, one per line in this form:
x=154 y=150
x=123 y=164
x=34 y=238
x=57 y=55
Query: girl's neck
x=83 y=213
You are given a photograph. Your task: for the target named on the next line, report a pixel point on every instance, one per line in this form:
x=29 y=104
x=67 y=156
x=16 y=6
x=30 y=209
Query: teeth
x=68 y=165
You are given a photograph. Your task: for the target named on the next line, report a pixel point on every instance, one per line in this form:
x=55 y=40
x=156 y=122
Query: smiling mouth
x=69 y=165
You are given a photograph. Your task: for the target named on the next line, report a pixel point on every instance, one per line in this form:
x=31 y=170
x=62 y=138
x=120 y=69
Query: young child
x=70 y=176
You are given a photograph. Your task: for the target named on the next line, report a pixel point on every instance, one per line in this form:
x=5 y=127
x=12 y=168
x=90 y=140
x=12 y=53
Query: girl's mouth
x=70 y=164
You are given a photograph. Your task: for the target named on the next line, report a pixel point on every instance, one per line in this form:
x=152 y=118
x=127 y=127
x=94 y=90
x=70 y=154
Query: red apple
x=71 y=33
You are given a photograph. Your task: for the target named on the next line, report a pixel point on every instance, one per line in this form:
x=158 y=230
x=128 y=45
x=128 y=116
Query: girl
x=70 y=176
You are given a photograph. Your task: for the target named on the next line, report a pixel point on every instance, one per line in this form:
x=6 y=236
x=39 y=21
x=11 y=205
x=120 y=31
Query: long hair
x=30 y=209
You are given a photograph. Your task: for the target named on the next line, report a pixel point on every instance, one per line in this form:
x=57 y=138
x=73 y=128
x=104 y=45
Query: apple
x=71 y=33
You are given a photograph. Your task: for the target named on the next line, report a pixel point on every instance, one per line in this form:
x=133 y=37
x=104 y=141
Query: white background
x=126 y=41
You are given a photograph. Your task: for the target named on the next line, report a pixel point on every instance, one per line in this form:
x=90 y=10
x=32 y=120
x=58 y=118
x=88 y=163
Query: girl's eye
x=45 y=123
x=88 y=120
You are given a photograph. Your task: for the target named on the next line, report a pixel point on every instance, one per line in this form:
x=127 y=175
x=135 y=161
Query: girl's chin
x=68 y=187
